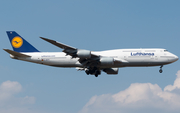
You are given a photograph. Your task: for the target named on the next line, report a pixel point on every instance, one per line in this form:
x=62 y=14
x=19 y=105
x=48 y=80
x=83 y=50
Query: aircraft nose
x=176 y=58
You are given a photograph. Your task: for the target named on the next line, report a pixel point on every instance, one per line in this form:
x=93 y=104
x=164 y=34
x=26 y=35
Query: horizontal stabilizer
x=17 y=54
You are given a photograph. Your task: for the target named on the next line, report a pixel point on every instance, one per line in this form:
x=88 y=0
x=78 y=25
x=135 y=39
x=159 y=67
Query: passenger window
x=165 y=50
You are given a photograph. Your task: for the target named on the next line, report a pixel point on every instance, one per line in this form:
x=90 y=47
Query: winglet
x=16 y=54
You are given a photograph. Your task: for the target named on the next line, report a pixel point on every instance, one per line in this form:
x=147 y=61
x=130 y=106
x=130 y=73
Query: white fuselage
x=129 y=58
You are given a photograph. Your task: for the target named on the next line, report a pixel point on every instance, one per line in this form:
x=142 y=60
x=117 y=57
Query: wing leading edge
x=69 y=50
x=58 y=44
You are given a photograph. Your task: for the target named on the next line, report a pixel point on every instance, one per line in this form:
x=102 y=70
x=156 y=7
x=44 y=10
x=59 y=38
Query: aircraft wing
x=86 y=57
x=63 y=46
x=70 y=50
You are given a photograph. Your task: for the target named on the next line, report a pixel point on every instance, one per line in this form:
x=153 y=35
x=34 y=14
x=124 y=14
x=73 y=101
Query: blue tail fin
x=19 y=44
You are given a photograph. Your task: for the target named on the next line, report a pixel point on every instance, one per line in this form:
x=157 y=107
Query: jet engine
x=83 y=53
x=106 y=61
x=111 y=70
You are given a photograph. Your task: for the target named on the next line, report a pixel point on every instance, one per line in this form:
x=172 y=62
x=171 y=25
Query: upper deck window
x=165 y=50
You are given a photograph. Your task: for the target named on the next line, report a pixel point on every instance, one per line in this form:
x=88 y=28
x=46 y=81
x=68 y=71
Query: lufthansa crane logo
x=17 y=42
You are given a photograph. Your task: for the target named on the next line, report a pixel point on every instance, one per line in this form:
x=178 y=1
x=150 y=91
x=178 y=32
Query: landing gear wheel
x=97 y=73
x=161 y=69
x=87 y=72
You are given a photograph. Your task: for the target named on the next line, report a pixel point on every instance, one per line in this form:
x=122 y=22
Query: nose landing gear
x=161 y=69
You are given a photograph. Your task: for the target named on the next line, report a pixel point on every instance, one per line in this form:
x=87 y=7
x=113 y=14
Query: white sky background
x=92 y=25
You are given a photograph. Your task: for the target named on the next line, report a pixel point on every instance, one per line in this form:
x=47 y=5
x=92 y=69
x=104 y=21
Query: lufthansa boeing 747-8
x=91 y=62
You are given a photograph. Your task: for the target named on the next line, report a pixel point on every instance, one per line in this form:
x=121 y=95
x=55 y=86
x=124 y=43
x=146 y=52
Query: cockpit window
x=165 y=50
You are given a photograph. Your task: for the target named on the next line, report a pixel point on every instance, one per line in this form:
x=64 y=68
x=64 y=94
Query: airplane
x=91 y=62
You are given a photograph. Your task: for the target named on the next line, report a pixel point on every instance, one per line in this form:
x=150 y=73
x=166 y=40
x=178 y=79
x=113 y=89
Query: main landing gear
x=161 y=69
x=93 y=71
x=97 y=72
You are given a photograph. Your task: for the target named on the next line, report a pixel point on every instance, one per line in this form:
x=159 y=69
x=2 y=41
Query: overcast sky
x=94 y=25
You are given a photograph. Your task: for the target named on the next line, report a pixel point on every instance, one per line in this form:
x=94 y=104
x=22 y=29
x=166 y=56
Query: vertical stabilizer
x=19 y=44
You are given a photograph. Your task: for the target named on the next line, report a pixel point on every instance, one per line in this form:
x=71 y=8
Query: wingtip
x=44 y=38
x=48 y=40
x=5 y=49
x=41 y=37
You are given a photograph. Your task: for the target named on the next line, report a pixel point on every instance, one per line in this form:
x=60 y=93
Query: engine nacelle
x=83 y=53
x=107 y=61
x=111 y=70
